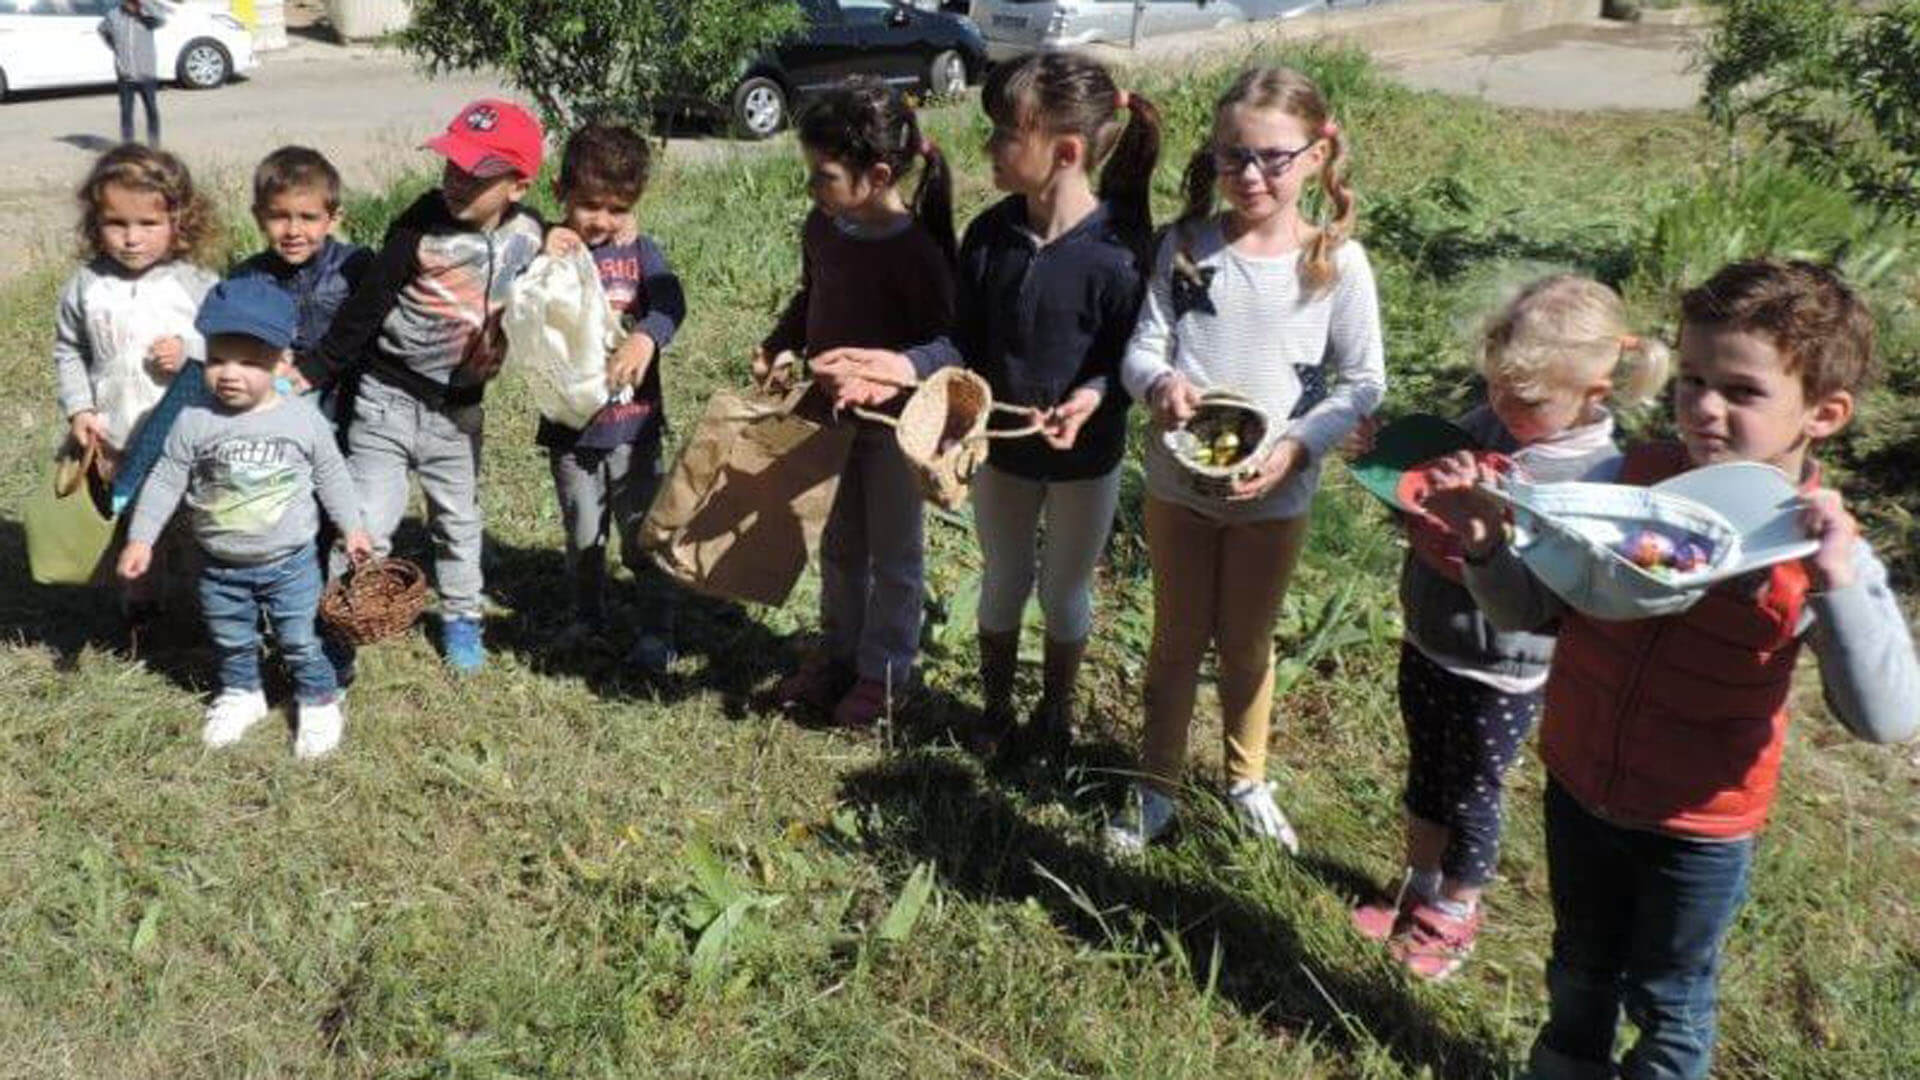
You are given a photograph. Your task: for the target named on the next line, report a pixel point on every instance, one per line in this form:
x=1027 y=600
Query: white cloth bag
x=559 y=329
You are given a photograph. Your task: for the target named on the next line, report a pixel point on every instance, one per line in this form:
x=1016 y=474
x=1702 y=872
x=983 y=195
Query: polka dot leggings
x=1461 y=736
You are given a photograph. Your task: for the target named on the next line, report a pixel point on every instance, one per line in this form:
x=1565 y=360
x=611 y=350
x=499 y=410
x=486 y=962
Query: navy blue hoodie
x=1039 y=321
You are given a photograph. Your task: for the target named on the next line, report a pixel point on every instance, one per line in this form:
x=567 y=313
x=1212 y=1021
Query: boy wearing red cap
x=422 y=329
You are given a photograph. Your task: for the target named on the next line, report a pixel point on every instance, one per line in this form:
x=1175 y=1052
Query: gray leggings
x=606 y=493
x=1007 y=513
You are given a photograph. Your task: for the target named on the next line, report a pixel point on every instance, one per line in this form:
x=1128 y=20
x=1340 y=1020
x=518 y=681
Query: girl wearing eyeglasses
x=1263 y=301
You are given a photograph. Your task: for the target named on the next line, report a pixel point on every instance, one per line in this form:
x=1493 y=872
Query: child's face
x=240 y=371
x=1025 y=159
x=296 y=222
x=1735 y=400
x=480 y=201
x=839 y=190
x=1536 y=413
x=136 y=228
x=598 y=216
x=1264 y=158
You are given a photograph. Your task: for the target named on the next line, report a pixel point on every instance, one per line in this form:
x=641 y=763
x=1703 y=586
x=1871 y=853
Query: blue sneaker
x=653 y=654
x=460 y=643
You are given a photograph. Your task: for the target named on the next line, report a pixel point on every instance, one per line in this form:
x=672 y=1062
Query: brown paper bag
x=741 y=512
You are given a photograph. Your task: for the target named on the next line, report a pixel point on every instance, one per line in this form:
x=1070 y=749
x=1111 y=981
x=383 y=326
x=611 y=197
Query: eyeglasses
x=1232 y=160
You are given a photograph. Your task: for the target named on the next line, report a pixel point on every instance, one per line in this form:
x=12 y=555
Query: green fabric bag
x=69 y=530
x=1405 y=444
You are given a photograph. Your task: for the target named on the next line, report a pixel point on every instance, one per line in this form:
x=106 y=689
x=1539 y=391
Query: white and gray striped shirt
x=1255 y=329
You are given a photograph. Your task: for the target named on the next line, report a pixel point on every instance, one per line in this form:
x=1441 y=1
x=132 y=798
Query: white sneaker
x=1253 y=802
x=319 y=730
x=1145 y=816
x=231 y=714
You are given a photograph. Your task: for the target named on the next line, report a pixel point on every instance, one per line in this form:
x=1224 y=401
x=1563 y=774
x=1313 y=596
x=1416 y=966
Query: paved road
x=366 y=108
x=1595 y=65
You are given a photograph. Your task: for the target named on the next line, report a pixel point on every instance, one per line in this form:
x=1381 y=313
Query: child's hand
x=1360 y=443
x=1454 y=496
x=1285 y=459
x=167 y=354
x=1060 y=426
x=1173 y=400
x=359 y=546
x=628 y=364
x=135 y=558
x=1825 y=517
x=562 y=241
x=862 y=376
x=87 y=429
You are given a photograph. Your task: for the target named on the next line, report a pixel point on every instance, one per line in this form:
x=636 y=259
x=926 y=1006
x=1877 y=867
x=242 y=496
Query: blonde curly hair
x=1571 y=331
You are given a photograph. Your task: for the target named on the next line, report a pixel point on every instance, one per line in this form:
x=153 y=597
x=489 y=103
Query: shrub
x=604 y=59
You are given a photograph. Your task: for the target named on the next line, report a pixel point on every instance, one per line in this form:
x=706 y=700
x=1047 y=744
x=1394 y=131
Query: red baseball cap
x=490 y=138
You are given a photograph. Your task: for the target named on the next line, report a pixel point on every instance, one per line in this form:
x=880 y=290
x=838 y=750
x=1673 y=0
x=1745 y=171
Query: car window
x=851 y=5
x=819 y=11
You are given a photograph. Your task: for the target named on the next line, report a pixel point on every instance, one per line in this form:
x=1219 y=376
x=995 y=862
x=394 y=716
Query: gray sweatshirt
x=1859 y=634
x=131 y=37
x=106 y=321
x=249 y=480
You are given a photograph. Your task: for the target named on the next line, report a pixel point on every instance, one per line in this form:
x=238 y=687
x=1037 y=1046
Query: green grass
x=555 y=870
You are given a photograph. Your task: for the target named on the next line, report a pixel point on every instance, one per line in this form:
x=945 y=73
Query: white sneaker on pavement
x=1253 y=803
x=231 y=714
x=1146 y=815
x=319 y=730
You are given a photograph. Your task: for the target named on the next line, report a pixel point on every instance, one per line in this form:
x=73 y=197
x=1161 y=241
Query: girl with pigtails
x=1050 y=280
x=876 y=273
x=1281 y=310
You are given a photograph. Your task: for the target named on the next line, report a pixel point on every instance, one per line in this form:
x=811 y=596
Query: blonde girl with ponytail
x=1553 y=358
x=1278 y=305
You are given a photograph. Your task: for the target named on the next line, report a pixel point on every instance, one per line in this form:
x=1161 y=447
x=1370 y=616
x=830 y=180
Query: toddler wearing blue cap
x=249 y=465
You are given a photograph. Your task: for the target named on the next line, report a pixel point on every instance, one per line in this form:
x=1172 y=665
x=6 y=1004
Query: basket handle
x=70 y=472
x=1036 y=423
x=876 y=417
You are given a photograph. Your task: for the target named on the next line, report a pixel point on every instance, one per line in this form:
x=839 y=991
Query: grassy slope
x=503 y=876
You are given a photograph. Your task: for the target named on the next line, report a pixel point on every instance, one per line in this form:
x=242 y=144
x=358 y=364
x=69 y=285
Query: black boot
x=999 y=655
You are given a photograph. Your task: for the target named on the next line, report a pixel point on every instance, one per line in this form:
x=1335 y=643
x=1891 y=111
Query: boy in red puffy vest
x=1662 y=737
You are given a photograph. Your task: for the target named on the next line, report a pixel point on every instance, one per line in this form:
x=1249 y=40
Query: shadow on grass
x=68 y=620
x=937 y=808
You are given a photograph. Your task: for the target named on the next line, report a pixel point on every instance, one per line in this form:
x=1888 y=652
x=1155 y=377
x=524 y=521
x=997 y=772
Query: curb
x=1440 y=24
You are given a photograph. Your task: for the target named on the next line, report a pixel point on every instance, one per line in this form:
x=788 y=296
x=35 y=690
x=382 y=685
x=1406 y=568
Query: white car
x=1017 y=26
x=54 y=43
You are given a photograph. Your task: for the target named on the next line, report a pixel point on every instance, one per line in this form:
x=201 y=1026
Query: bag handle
x=70 y=472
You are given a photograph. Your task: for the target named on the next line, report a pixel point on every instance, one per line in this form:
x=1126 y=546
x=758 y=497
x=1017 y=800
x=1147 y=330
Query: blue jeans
x=1639 y=918
x=288 y=590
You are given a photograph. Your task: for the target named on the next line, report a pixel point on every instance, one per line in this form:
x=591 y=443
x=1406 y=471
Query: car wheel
x=204 y=64
x=947 y=74
x=759 y=107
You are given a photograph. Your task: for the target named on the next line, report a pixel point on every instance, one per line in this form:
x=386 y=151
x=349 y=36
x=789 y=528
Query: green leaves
x=601 y=59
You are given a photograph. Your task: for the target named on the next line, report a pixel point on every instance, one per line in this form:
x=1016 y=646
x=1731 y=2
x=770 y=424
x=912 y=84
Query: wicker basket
x=943 y=433
x=1220 y=411
x=374 y=601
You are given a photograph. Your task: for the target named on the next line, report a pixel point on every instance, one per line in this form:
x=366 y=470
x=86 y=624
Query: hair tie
x=1329 y=130
x=1122 y=99
x=1630 y=343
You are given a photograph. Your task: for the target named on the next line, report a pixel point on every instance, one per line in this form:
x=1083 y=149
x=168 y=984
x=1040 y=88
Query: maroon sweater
x=890 y=292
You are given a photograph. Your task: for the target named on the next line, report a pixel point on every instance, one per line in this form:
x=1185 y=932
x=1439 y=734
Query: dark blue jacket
x=1039 y=321
x=319 y=286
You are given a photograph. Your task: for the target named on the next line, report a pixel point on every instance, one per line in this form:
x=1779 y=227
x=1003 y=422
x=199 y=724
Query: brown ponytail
x=1282 y=88
x=863 y=122
x=1066 y=93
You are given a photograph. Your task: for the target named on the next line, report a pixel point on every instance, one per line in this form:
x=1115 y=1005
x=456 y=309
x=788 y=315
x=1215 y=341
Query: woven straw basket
x=943 y=433
x=375 y=601
x=1219 y=411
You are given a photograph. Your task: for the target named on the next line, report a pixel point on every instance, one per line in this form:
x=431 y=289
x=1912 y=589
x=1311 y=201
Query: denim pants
x=394 y=433
x=288 y=591
x=871 y=562
x=1639 y=918
x=148 y=90
x=602 y=493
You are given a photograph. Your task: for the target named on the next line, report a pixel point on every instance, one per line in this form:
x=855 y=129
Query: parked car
x=55 y=43
x=1016 y=26
x=909 y=46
